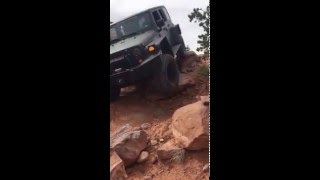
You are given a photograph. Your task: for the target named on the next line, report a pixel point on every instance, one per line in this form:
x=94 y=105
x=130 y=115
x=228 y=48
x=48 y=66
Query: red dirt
x=133 y=109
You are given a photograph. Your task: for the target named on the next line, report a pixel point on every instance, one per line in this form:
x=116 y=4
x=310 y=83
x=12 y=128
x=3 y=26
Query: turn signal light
x=151 y=48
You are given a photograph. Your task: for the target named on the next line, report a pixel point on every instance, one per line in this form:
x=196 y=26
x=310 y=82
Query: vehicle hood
x=131 y=41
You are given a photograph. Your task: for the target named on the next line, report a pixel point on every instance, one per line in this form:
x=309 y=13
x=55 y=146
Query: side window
x=156 y=15
x=122 y=30
x=113 y=34
x=166 y=13
x=163 y=15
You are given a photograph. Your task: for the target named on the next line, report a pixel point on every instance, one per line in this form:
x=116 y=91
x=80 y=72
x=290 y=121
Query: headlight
x=136 y=52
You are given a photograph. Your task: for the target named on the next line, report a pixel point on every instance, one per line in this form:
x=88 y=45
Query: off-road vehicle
x=145 y=47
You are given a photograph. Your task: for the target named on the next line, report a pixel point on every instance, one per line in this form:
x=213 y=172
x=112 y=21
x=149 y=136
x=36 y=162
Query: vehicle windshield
x=131 y=26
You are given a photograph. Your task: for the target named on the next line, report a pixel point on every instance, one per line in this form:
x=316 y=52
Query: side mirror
x=160 y=23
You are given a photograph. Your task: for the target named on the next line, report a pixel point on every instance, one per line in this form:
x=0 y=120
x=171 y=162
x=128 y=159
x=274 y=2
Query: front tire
x=167 y=79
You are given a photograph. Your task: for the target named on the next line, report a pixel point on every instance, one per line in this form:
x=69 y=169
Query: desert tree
x=202 y=17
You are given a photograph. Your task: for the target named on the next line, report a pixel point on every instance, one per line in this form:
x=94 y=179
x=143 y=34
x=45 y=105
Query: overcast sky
x=178 y=10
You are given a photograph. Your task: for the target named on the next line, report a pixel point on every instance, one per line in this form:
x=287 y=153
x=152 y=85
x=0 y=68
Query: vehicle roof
x=150 y=9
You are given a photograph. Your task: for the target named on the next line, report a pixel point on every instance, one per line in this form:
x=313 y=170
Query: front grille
x=122 y=61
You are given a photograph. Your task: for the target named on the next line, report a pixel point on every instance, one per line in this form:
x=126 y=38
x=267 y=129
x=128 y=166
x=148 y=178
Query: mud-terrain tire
x=166 y=81
x=114 y=93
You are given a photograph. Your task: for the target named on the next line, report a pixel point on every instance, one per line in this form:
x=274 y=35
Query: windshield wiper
x=115 y=40
x=132 y=34
x=124 y=37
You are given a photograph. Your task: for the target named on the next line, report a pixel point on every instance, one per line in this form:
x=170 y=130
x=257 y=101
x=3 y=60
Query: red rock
x=117 y=169
x=154 y=159
x=145 y=125
x=147 y=178
x=190 y=126
x=205 y=168
x=136 y=129
x=190 y=53
x=185 y=81
x=167 y=150
x=121 y=130
x=128 y=144
x=143 y=156
x=153 y=142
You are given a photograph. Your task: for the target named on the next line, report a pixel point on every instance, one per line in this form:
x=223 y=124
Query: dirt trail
x=133 y=109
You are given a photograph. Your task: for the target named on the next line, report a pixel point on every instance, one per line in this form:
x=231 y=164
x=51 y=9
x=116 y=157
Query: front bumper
x=128 y=77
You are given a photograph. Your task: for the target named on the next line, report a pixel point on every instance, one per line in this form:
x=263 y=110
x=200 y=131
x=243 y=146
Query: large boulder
x=128 y=143
x=190 y=126
x=117 y=169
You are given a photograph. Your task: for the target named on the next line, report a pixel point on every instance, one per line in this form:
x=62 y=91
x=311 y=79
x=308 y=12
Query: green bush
x=204 y=70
